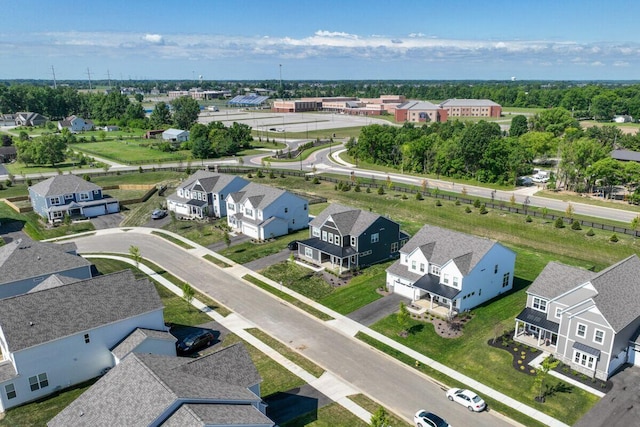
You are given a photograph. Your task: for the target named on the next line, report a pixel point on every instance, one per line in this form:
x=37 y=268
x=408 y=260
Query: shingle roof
x=626 y=155
x=24 y=258
x=54 y=281
x=196 y=415
x=211 y=182
x=35 y=318
x=136 y=338
x=63 y=184
x=143 y=386
x=348 y=220
x=261 y=195
x=440 y=245
x=556 y=279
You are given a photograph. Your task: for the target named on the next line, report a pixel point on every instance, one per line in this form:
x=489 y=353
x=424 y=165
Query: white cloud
x=153 y=38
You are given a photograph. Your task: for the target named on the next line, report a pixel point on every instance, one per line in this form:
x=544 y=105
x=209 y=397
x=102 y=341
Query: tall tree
x=160 y=116
x=185 y=112
x=519 y=125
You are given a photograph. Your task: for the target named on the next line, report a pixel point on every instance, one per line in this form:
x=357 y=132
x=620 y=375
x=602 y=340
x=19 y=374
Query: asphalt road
x=395 y=385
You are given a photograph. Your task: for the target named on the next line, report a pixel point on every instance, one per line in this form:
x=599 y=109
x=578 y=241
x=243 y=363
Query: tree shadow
x=559 y=387
x=415 y=329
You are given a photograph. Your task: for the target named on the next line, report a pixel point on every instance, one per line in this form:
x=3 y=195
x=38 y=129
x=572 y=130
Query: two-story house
x=75 y=124
x=62 y=332
x=203 y=193
x=70 y=195
x=219 y=389
x=263 y=212
x=588 y=320
x=347 y=238
x=451 y=269
x=29 y=119
x=25 y=263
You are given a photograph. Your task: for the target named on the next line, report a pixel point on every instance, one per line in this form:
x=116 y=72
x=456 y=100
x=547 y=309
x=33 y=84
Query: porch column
x=515 y=334
x=431 y=302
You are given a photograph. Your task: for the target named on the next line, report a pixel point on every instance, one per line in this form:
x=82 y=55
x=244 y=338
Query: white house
x=175 y=135
x=75 y=124
x=263 y=212
x=451 y=269
x=63 y=331
x=203 y=193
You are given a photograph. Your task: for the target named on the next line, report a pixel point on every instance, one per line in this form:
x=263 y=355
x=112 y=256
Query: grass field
x=130 y=152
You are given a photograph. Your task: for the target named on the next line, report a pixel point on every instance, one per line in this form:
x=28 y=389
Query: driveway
x=235 y=240
x=107 y=221
x=262 y=263
x=379 y=309
x=288 y=405
x=621 y=406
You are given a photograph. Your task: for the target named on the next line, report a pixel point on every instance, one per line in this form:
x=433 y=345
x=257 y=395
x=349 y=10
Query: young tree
x=547 y=364
x=227 y=238
x=134 y=251
x=380 y=418
x=188 y=293
x=403 y=319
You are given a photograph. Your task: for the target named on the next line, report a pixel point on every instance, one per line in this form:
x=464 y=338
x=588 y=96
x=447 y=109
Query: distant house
x=588 y=320
x=203 y=193
x=622 y=119
x=347 y=238
x=451 y=269
x=153 y=134
x=8 y=153
x=7 y=119
x=175 y=135
x=626 y=155
x=69 y=194
x=263 y=212
x=30 y=119
x=219 y=389
x=25 y=263
x=62 y=332
x=110 y=128
x=75 y=124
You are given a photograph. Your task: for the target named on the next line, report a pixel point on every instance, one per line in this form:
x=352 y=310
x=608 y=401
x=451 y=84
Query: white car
x=466 y=398
x=429 y=419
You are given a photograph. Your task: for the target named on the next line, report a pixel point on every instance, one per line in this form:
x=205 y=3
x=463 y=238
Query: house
x=263 y=212
x=7 y=119
x=349 y=238
x=30 y=119
x=110 y=128
x=75 y=124
x=219 y=389
x=622 y=119
x=8 y=153
x=588 y=320
x=203 y=193
x=62 y=332
x=25 y=263
x=70 y=195
x=175 y=135
x=153 y=134
x=450 y=269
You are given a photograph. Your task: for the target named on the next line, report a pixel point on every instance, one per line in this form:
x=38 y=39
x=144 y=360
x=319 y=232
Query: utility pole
x=281 y=91
x=89 y=75
x=109 y=78
x=53 y=71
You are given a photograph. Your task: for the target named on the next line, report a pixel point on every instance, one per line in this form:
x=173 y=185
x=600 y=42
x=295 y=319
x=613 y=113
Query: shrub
x=316 y=180
x=559 y=223
x=1 y=186
x=404 y=197
x=528 y=219
x=368 y=190
x=141 y=170
x=271 y=175
x=457 y=202
x=86 y=177
x=522 y=367
x=249 y=175
x=476 y=203
x=380 y=191
x=438 y=202
x=467 y=209
x=575 y=225
x=483 y=209
x=260 y=174
x=29 y=182
x=591 y=233
x=613 y=238
x=419 y=196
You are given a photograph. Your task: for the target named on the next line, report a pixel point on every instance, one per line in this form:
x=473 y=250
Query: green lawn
x=332 y=415
x=248 y=251
x=130 y=151
x=35 y=227
x=360 y=291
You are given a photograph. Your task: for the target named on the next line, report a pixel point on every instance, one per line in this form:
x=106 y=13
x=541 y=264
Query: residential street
x=396 y=386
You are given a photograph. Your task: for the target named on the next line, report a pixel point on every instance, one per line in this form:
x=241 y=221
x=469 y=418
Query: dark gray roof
x=201 y=415
x=402 y=271
x=7 y=371
x=143 y=386
x=39 y=317
x=53 y=281
x=260 y=196
x=556 y=279
x=440 y=245
x=24 y=258
x=586 y=349
x=137 y=337
x=537 y=318
x=431 y=283
x=63 y=184
x=348 y=220
x=618 y=288
x=626 y=155
x=211 y=182
x=328 y=248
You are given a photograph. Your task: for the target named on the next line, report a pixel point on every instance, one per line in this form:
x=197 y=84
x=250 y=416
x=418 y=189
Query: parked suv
x=194 y=342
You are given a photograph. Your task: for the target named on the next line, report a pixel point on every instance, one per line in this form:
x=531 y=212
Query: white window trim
x=435 y=270
x=586 y=329
x=324 y=236
x=558 y=310
x=584 y=359
x=540 y=301
x=315 y=232
x=308 y=252
x=595 y=331
x=414 y=265
x=375 y=237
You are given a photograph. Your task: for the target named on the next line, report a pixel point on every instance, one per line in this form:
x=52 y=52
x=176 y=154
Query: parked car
x=194 y=342
x=293 y=245
x=524 y=181
x=466 y=398
x=429 y=419
x=158 y=214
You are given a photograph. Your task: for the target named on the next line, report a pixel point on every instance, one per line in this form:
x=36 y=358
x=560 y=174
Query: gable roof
x=211 y=182
x=417 y=105
x=201 y=415
x=174 y=132
x=144 y=386
x=137 y=337
x=25 y=258
x=348 y=220
x=38 y=317
x=63 y=184
x=259 y=195
x=440 y=245
x=556 y=279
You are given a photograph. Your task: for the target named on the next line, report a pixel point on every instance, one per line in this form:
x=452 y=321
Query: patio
x=422 y=306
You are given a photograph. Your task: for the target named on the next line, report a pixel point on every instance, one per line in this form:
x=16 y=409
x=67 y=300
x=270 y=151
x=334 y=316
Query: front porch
x=535 y=336
x=422 y=306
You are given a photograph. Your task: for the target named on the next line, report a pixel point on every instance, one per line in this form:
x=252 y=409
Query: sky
x=320 y=40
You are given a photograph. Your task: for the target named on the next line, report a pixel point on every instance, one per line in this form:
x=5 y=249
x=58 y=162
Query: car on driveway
x=158 y=214
x=194 y=342
x=466 y=398
x=429 y=419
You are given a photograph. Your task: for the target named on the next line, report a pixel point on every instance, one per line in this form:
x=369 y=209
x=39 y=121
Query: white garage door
x=404 y=290
x=94 y=211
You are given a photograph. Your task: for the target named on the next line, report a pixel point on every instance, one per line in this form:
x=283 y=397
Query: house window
x=558 y=311
x=286 y=210
x=353 y=241
x=55 y=200
x=308 y=252
x=495 y=269
x=57 y=214
x=394 y=247
x=84 y=196
x=10 y=389
x=456 y=281
x=365 y=253
x=38 y=382
x=324 y=235
x=330 y=237
x=315 y=232
x=305 y=206
x=505 y=279
x=68 y=196
x=87 y=339
x=422 y=267
x=598 y=336
x=248 y=212
x=584 y=359
x=375 y=237
x=96 y=191
x=445 y=279
x=413 y=265
x=337 y=240
x=581 y=330
x=435 y=270
x=540 y=304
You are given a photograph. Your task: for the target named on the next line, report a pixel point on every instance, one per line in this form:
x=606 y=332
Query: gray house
x=25 y=263
x=346 y=238
x=203 y=193
x=60 y=195
x=29 y=119
x=219 y=389
x=590 y=321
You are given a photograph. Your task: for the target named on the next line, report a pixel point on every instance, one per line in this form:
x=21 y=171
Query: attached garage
x=403 y=288
x=93 y=211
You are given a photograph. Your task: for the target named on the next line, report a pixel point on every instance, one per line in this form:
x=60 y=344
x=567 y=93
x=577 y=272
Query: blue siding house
x=55 y=197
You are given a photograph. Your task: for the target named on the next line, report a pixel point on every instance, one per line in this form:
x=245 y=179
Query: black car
x=158 y=214
x=195 y=342
x=293 y=245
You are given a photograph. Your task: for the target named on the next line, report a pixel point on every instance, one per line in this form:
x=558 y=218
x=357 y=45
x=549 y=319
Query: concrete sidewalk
x=340 y=323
